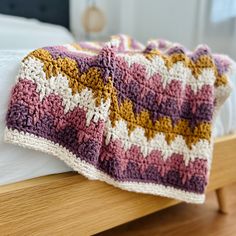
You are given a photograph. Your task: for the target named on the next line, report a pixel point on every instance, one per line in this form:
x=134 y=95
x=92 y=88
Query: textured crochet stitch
x=139 y=118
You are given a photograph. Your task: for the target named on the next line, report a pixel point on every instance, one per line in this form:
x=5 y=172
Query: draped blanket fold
x=139 y=118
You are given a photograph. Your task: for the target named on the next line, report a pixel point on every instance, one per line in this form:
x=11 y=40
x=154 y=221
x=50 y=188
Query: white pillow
x=21 y=33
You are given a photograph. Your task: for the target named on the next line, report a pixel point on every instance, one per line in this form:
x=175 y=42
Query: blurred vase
x=93 y=19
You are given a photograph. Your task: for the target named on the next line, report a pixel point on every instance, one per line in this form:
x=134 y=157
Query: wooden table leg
x=221 y=198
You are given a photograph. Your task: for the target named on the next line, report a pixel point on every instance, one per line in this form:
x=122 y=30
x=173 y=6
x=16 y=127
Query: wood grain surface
x=69 y=204
x=185 y=220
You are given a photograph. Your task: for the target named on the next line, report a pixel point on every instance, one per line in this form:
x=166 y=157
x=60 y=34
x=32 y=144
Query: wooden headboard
x=51 y=11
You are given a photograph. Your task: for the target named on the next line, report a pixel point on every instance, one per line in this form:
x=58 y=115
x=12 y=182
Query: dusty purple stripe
x=104 y=61
x=169 y=107
x=162 y=44
x=176 y=49
x=201 y=51
x=222 y=65
x=115 y=67
x=135 y=45
x=19 y=118
x=88 y=46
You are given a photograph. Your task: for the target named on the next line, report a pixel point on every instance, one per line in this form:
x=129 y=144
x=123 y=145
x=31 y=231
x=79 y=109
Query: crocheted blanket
x=139 y=118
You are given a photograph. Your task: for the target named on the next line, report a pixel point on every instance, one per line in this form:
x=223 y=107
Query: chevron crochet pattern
x=137 y=117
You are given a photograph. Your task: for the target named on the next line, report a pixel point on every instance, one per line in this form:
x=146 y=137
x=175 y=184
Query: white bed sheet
x=18 y=36
x=17 y=164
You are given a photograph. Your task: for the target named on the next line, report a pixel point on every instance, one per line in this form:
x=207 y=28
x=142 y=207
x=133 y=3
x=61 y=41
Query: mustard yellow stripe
x=203 y=62
x=93 y=79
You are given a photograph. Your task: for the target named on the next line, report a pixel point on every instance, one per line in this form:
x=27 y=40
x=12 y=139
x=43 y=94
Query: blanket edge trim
x=86 y=169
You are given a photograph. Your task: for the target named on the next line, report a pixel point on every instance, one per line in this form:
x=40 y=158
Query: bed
x=41 y=195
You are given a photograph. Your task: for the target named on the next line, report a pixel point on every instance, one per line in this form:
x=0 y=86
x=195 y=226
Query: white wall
x=220 y=36
x=170 y=19
x=111 y=9
x=143 y=19
x=183 y=21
